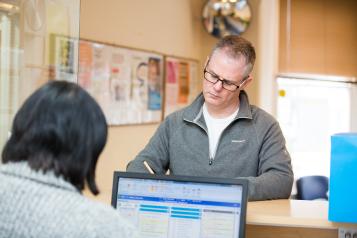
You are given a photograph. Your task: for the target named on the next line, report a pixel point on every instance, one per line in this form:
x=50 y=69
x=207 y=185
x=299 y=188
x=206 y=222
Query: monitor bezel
x=180 y=178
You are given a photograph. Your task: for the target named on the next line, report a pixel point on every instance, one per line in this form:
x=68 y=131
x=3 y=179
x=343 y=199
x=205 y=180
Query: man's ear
x=245 y=82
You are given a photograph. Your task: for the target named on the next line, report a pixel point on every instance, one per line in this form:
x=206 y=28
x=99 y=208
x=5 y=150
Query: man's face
x=230 y=69
x=153 y=69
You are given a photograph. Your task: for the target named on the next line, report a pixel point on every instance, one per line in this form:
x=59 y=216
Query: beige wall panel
x=307 y=36
x=167 y=26
x=323 y=36
x=283 y=51
x=341 y=38
x=307 y=59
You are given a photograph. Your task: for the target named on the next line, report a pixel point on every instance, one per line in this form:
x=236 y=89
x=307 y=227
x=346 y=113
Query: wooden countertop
x=292 y=213
x=283 y=213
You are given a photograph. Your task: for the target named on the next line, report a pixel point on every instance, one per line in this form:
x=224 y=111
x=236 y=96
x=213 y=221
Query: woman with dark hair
x=56 y=139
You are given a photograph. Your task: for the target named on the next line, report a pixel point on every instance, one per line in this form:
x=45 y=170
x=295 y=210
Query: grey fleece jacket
x=251 y=147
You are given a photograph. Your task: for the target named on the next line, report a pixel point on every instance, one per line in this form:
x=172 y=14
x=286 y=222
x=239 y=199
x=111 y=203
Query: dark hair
x=236 y=46
x=61 y=128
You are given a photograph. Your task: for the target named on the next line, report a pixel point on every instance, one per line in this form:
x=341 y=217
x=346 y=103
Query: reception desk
x=290 y=219
x=282 y=218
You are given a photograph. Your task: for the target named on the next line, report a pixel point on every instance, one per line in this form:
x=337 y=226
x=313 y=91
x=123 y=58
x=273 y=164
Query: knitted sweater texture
x=37 y=204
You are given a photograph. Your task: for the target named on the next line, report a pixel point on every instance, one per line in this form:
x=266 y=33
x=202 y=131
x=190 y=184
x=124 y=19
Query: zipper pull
x=210 y=161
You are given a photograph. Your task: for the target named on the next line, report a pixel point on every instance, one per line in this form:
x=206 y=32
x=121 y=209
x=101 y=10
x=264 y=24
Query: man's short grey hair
x=236 y=47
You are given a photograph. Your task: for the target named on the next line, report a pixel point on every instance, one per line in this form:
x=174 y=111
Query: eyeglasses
x=226 y=84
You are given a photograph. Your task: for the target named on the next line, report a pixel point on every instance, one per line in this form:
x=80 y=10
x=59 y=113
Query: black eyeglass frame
x=224 y=81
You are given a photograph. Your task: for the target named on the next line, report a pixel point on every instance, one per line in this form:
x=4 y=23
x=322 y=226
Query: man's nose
x=218 y=86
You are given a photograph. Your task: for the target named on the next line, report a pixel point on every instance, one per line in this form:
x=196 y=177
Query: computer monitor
x=163 y=206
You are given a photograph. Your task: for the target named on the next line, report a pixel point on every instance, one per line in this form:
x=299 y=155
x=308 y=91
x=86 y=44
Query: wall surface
x=167 y=26
x=172 y=27
x=318 y=37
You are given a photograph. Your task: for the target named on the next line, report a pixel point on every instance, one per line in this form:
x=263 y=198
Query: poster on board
x=64 y=58
x=181 y=83
x=127 y=83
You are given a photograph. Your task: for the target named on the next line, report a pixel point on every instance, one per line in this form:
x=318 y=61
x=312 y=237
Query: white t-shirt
x=215 y=127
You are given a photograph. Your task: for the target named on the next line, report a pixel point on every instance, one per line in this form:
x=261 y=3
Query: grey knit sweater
x=34 y=204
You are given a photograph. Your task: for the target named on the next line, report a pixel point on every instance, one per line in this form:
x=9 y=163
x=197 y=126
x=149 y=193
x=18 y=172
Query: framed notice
x=181 y=83
x=64 y=58
x=127 y=83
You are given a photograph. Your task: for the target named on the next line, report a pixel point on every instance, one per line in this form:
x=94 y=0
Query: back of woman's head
x=60 y=128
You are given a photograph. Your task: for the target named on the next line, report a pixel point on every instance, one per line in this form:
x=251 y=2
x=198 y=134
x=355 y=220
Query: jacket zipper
x=211 y=159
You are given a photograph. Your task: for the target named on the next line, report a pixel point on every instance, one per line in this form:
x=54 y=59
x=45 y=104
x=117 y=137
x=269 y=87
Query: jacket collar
x=22 y=170
x=194 y=112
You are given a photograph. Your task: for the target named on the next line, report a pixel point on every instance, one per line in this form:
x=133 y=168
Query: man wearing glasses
x=220 y=134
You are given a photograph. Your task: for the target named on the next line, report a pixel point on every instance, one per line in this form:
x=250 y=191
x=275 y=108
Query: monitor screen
x=171 y=208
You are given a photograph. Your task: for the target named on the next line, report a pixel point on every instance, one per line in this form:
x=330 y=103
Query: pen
x=148 y=167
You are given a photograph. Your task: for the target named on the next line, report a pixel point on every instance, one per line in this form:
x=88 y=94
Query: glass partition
x=26 y=30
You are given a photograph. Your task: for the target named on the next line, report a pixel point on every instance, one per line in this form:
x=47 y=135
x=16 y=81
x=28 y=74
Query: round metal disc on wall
x=226 y=17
